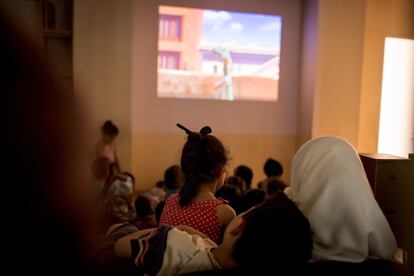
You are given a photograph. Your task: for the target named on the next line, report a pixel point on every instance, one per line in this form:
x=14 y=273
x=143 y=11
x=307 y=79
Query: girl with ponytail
x=203 y=163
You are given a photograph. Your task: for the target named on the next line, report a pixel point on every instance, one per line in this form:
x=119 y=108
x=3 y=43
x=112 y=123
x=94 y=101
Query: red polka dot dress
x=201 y=215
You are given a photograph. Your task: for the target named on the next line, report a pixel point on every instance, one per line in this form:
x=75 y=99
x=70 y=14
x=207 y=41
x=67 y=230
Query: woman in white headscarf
x=329 y=185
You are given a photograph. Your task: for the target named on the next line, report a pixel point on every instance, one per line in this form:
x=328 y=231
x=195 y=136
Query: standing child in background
x=106 y=146
x=203 y=163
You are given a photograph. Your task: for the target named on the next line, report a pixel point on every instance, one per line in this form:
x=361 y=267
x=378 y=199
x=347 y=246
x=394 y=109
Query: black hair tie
x=204 y=131
x=185 y=129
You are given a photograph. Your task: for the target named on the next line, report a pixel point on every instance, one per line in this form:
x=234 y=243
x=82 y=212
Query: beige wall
x=308 y=70
x=342 y=57
x=157 y=151
x=102 y=69
x=339 y=80
x=338 y=68
x=253 y=131
x=383 y=18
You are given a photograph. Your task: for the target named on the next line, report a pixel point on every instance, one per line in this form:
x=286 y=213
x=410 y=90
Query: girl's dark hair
x=202 y=160
x=279 y=235
x=109 y=128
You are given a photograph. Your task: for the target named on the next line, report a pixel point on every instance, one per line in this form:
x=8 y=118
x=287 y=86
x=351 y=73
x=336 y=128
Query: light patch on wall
x=396 y=131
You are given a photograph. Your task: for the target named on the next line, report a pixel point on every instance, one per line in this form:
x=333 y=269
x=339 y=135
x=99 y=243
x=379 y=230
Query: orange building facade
x=179 y=34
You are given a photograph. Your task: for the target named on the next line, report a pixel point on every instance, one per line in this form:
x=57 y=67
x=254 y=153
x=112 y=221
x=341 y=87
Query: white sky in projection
x=254 y=31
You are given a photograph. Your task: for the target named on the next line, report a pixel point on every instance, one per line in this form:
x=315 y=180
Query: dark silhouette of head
x=274 y=186
x=108 y=128
x=173 y=177
x=238 y=183
x=159 y=184
x=230 y=194
x=272 y=168
x=276 y=235
x=143 y=207
x=245 y=173
x=251 y=199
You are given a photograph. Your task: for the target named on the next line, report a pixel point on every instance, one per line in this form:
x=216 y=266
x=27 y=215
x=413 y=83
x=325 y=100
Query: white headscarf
x=329 y=185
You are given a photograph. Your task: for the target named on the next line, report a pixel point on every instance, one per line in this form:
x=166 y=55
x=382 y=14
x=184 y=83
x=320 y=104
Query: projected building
x=246 y=62
x=178 y=37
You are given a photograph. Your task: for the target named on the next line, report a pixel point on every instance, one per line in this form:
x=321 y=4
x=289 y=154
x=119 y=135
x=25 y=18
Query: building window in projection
x=170 y=27
x=396 y=131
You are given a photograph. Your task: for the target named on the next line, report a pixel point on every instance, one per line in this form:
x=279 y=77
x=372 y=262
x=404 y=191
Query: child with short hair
x=203 y=163
x=269 y=237
x=246 y=174
x=145 y=217
x=173 y=180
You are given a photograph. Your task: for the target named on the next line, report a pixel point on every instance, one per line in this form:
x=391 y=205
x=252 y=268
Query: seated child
x=251 y=199
x=145 y=217
x=266 y=238
x=122 y=184
x=272 y=169
x=274 y=186
x=203 y=163
x=245 y=173
x=232 y=192
x=173 y=180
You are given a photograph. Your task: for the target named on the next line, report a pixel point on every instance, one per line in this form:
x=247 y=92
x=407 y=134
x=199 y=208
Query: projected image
x=223 y=55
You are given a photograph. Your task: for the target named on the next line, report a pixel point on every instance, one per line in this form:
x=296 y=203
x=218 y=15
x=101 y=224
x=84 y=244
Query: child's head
x=159 y=184
x=230 y=194
x=143 y=207
x=203 y=160
x=275 y=186
x=173 y=177
x=238 y=183
x=129 y=176
x=269 y=236
x=272 y=167
x=118 y=209
x=245 y=173
x=109 y=131
x=251 y=199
